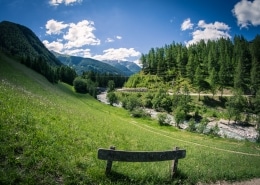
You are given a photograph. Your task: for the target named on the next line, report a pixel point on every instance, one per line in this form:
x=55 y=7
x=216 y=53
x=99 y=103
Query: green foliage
x=82 y=85
x=139 y=112
x=112 y=98
x=162 y=101
x=192 y=125
x=131 y=102
x=202 y=126
x=179 y=115
x=235 y=105
x=163 y=119
x=222 y=63
x=67 y=74
x=102 y=79
x=182 y=101
x=147 y=100
x=214 y=131
x=111 y=86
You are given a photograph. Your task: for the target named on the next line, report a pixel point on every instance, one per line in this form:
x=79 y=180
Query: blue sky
x=123 y=29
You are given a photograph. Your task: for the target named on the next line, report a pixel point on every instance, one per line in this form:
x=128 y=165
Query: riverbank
x=226 y=129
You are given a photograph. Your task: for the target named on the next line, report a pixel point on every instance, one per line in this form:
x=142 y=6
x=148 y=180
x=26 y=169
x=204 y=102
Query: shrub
x=139 y=113
x=179 y=115
x=80 y=85
x=112 y=98
x=202 y=126
x=192 y=125
x=214 y=130
x=131 y=102
x=163 y=119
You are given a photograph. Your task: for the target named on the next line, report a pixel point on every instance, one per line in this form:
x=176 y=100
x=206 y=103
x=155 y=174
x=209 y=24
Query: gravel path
x=248 y=182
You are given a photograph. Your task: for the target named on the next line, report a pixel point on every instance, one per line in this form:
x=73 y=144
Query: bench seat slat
x=140 y=156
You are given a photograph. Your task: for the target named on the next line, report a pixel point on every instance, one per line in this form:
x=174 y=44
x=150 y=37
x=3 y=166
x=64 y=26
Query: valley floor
x=226 y=129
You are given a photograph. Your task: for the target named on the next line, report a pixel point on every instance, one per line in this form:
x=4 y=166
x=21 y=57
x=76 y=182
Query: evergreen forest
x=207 y=66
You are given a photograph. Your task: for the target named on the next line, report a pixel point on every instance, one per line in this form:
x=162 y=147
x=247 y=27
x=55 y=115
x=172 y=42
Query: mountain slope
x=129 y=68
x=18 y=40
x=87 y=64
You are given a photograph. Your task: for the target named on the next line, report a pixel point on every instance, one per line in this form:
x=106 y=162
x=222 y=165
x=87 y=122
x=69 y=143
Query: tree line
x=88 y=82
x=208 y=65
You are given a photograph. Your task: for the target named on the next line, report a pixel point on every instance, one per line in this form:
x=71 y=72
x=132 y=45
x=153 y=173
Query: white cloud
x=211 y=31
x=186 y=25
x=55 y=27
x=56 y=46
x=73 y=39
x=118 y=54
x=109 y=40
x=80 y=34
x=66 y=2
x=216 y=26
x=78 y=52
x=247 y=13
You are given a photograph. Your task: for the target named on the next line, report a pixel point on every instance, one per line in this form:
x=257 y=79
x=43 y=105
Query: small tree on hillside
x=112 y=98
x=111 y=85
x=179 y=116
x=80 y=85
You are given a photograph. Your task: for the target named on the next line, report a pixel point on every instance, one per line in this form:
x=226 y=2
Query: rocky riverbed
x=226 y=129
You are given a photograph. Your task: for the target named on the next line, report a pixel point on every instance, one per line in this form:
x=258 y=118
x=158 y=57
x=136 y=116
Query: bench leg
x=109 y=162
x=174 y=165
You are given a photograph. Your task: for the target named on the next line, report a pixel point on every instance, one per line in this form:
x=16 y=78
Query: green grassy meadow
x=50 y=135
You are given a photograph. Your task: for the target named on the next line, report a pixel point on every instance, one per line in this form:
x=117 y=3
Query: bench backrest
x=140 y=156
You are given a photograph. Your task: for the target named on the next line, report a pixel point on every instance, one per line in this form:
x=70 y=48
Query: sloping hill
x=50 y=135
x=18 y=40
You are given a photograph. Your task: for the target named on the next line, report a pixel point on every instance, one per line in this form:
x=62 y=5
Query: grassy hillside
x=50 y=135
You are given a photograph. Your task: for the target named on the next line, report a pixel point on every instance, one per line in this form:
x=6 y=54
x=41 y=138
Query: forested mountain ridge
x=129 y=68
x=208 y=65
x=81 y=64
x=18 y=40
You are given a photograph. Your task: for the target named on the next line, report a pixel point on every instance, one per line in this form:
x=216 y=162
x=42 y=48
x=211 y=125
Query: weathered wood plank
x=140 y=156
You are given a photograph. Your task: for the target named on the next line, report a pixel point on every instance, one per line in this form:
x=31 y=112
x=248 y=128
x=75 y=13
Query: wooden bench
x=112 y=154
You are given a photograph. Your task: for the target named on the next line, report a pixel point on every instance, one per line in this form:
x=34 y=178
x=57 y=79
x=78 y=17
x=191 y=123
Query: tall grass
x=50 y=135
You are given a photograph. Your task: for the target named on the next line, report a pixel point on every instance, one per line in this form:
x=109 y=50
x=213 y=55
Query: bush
x=80 y=85
x=214 y=130
x=131 y=102
x=112 y=98
x=139 y=113
x=179 y=115
x=202 y=126
x=163 y=119
x=192 y=125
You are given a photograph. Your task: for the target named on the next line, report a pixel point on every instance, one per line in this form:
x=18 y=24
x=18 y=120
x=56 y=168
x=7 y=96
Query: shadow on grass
x=119 y=178
x=214 y=102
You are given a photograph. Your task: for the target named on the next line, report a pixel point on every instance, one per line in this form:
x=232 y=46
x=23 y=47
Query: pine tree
x=255 y=70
